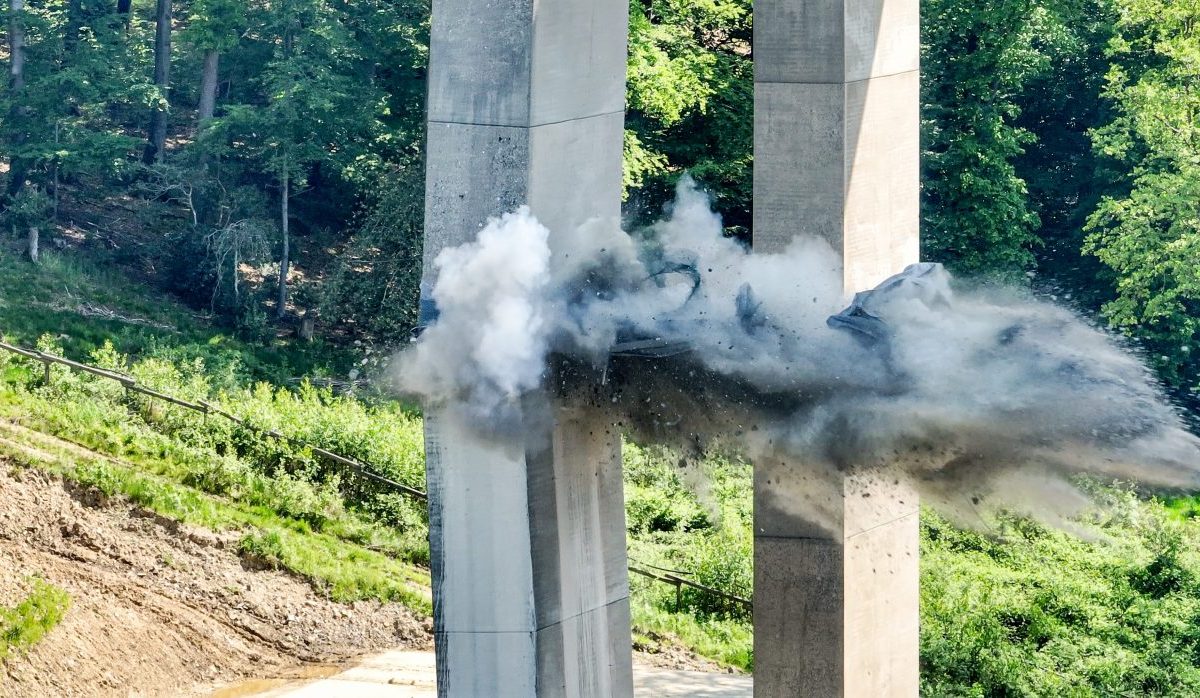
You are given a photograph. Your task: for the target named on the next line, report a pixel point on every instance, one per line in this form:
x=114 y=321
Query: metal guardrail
x=679 y=583
x=364 y=470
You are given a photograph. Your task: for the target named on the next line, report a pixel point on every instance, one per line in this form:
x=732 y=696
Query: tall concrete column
x=836 y=143
x=527 y=532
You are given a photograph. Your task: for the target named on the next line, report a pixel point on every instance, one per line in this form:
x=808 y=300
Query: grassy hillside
x=85 y=303
x=288 y=505
x=1017 y=610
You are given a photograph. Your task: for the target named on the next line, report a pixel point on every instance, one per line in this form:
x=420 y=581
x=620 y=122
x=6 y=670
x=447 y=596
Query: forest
x=218 y=194
x=263 y=160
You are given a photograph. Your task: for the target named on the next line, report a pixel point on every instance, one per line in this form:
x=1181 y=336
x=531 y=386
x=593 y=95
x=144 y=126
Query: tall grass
x=223 y=457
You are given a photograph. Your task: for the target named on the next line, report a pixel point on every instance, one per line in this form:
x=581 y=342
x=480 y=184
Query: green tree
x=317 y=110
x=1150 y=234
x=81 y=84
x=977 y=57
x=1065 y=176
x=375 y=287
x=691 y=103
x=212 y=29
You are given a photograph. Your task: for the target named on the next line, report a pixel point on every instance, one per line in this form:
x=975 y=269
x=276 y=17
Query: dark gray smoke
x=979 y=399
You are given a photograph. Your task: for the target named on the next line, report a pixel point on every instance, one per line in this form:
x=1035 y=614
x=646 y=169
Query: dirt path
x=160 y=609
x=412 y=675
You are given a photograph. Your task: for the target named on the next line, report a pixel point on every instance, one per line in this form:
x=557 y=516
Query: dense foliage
x=282 y=120
x=1025 y=611
x=1060 y=144
x=1149 y=232
x=691 y=104
x=977 y=57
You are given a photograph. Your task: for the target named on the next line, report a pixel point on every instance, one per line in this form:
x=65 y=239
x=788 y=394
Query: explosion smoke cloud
x=975 y=398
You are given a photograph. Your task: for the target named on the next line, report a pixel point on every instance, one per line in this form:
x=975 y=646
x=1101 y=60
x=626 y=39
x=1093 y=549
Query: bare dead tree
x=231 y=244
x=169 y=181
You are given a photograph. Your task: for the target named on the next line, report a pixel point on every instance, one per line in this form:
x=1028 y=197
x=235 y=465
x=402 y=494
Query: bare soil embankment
x=161 y=609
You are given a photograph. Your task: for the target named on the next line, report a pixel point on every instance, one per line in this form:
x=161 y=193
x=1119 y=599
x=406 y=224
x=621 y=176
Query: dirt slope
x=159 y=609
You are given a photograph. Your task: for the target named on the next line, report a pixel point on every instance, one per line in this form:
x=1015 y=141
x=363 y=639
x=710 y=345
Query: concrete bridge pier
x=531 y=591
x=836 y=140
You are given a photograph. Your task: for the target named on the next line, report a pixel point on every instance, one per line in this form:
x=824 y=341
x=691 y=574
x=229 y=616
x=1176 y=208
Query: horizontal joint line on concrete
x=835 y=82
x=526 y=126
x=852 y=536
x=484 y=632
x=889 y=522
x=564 y=619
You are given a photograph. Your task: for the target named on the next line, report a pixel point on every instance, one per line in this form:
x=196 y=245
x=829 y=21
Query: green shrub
x=263 y=549
x=1038 y=612
x=651 y=510
x=99 y=476
x=24 y=625
x=224 y=476
x=722 y=560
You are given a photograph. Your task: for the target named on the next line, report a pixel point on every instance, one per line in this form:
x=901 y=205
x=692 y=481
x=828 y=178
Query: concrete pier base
x=531 y=593
x=527 y=530
x=837 y=156
x=835 y=603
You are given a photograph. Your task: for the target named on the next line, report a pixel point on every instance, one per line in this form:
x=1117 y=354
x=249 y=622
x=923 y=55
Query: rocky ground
x=161 y=609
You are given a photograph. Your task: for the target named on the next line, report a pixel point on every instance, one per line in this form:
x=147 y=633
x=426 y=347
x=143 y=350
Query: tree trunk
x=162 y=74
x=33 y=243
x=308 y=325
x=56 y=178
x=285 y=182
x=16 y=45
x=123 y=8
x=208 y=85
x=284 y=260
x=16 y=83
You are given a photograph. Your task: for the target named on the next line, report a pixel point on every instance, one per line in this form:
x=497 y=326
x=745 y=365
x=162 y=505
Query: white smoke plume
x=977 y=399
x=493 y=293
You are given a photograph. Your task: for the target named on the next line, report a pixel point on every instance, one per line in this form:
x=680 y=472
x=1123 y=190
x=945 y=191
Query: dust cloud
x=978 y=399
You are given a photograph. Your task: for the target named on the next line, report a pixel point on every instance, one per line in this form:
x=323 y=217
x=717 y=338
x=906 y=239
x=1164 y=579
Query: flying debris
x=693 y=342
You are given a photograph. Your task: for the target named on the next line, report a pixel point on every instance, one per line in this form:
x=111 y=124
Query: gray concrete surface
x=404 y=674
x=836 y=156
x=526 y=106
